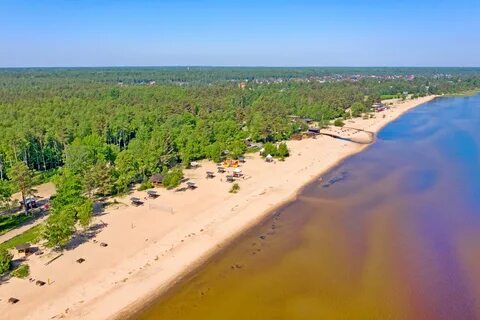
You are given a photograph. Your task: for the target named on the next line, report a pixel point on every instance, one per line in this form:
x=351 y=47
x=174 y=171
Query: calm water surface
x=391 y=233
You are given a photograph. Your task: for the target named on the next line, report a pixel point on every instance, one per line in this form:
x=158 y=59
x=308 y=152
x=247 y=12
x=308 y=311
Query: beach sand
x=152 y=246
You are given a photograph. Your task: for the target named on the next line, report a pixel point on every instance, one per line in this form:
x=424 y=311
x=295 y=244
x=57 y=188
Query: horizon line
x=225 y=66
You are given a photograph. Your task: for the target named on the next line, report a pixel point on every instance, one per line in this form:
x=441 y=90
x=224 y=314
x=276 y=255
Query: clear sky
x=239 y=33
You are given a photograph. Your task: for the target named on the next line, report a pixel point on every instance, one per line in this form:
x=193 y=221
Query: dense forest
x=204 y=75
x=78 y=117
x=109 y=127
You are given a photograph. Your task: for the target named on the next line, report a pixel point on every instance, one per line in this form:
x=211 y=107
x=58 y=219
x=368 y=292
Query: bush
x=173 y=178
x=282 y=151
x=358 y=108
x=237 y=149
x=5 y=260
x=338 y=123
x=269 y=148
x=145 y=185
x=235 y=188
x=22 y=271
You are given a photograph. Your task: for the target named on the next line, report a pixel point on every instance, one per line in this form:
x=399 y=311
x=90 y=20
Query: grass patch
x=9 y=222
x=32 y=235
x=21 y=272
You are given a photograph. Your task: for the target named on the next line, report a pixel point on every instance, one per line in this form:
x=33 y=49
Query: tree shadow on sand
x=80 y=238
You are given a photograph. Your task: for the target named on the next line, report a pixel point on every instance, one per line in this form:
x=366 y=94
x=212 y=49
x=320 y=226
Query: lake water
x=391 y=233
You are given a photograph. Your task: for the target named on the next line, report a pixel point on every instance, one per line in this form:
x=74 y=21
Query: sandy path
x=150 y=247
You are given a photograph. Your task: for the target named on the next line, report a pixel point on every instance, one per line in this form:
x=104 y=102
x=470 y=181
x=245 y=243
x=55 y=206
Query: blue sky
x=239 y=33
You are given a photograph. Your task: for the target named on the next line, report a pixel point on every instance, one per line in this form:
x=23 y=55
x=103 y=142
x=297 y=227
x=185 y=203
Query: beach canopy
x=194 y=164
x=156 y=178
x=23 y=246
x=237 y=170
x=191 y=185
x=152 y=194
x=210 y=174
x=134 y=199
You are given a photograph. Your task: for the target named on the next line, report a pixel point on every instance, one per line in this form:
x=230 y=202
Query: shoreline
x=136 y=308
x=148 y=268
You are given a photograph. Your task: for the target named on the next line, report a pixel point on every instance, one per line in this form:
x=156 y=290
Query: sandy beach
x=150 y=247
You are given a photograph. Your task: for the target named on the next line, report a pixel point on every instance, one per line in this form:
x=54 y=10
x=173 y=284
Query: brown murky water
x=392 y=233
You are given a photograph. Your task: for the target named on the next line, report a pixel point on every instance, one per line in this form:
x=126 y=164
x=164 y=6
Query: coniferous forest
x=96 y=131
x=139 y=121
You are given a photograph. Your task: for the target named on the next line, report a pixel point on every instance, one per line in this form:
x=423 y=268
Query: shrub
x=269 y=148
x=22 y=271
x=237 y=148
x=145 y=185
x=282 y=151
x=338 y=123
x=358 y=108
x=5 y=260
x=235 y=188
x=173 y=178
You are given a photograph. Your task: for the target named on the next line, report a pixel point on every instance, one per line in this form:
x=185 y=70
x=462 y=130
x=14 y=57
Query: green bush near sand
x=5 y=260
x=21 y=272
x=235 y=188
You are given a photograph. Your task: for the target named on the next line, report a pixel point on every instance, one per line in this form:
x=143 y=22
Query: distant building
x=378 y=107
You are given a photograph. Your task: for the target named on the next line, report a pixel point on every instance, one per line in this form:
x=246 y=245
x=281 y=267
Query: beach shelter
x=152 y=194
x=25 y=248
x=157 y=178
x=210 y=175
x=136 y=201
x=237 y=172
x=191 y=185
x=194 y=164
